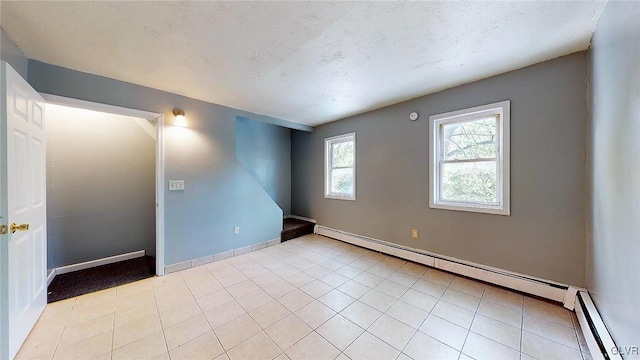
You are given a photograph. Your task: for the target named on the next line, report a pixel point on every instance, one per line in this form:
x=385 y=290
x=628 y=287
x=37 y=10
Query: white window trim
x=327 y=156
x=503 y=171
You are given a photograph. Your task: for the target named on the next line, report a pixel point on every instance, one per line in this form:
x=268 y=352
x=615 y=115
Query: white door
x=24 y=184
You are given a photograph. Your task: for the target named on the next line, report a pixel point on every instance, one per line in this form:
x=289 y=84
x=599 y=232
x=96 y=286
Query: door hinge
x=4 y=229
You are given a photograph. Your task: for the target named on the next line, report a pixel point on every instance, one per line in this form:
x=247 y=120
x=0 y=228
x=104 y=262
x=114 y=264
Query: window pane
x=469 y=182
x=342 y=154
x=471 y=139
x=342 y=181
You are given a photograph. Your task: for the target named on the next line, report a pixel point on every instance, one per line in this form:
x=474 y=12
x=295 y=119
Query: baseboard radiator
x=599 y=341
x=547 y=289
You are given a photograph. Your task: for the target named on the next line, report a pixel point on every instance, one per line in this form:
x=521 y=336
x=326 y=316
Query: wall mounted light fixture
x=180 y=119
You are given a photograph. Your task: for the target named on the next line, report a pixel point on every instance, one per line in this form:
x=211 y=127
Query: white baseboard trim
x=168 y=269
x=98 y=262
x=50 y=276
x=599 y=341
x=547 y=289
x=300 y=218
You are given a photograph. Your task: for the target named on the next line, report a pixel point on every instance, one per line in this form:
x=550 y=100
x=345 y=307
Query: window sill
x=338 y=197
x=476 y=209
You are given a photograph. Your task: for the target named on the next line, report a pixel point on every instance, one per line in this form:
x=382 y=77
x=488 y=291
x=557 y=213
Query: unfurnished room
x=316 y=180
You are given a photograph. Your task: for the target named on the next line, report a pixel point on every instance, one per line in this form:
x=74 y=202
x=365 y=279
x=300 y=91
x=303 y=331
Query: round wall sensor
x=413 y=116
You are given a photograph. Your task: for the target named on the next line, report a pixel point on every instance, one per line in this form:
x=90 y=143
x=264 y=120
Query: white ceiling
x=305 y=62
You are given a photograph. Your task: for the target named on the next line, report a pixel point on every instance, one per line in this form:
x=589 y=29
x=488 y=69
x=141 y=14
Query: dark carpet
x=293 y=228
x=82 y=282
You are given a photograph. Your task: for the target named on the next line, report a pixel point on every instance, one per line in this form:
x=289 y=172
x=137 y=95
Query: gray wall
x=545 y=234
x=100 y=186
x=10 y=53
x=265 y=151
x=613 y=251
x=219 y=192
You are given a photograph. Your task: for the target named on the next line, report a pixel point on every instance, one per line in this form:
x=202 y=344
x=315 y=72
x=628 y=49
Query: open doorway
x=101 y=199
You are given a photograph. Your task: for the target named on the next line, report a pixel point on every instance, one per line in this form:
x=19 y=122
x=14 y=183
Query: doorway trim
x=159 y=119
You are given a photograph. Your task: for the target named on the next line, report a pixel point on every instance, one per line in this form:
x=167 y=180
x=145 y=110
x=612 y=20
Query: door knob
x=21 y=227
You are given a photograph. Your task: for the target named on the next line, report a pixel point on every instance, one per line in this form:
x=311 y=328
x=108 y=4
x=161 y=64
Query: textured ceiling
x=305 y=62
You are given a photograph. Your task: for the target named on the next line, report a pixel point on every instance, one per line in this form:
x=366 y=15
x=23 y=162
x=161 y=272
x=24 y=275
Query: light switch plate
x=176 y=185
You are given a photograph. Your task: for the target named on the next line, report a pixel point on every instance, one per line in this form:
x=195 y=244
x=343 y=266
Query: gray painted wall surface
x=100 y=186
x=613 y=251
x=219 y=193
x=12 y=54
x=265 y=151
x=545 y=234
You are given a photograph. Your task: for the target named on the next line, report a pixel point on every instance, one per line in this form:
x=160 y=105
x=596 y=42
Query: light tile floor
x=308 y=298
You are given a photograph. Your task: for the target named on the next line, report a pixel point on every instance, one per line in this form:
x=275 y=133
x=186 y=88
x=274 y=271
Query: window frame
x=328 y=142
x=503 y=181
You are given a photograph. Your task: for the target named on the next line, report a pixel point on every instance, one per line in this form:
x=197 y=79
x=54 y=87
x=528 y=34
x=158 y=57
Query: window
x=340 y=167
x=469 y=160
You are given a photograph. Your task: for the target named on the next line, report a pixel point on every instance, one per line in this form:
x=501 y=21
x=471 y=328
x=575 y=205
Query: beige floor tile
x=445 y=331
x=548 y=311
x=240 y=289
x=354 y=289
x=361 y=314
x=214 y=299
x=542 y=348
x=368 y=279
x=403 y=278
x=299 y=279
x=551 y=330
x=141 y=298
x=266 y=279
x=149 y=347
x=453 y=313
x=269 y=314
x=407 y=313
x=42 y=346
x=336 y=300
x=503 y=297
x=254 y=300
x=506 y=314
x=317 y=271
x=177 y=314
x=461 y=299
x=135 y=330
x=497 y=331
x=85 y=349
x=413 y=269
x=391 y=288
x=237 y=331
x=186 y=331
x=295 y=300
x=288 y=331
x=468 y=286
x=369 y=347
x=479 y=347
x=378 y=300
x=223 y=314
x=419 y=300
x=315 y=314
x=382 y=270
x=439 y=277
x=203 y=285
x=334 y=279
x=349 y=271
x=425 y=347
x=126 y=315
x=87 y=329
x=340 y=332
x=316 y=288
x=95 y=298
x=258 y=347
x=279 y=288
x=85 y=313
x=172 y=299
x=392 y=331
x=429 y=288
x=204 y=347
x=313 y=346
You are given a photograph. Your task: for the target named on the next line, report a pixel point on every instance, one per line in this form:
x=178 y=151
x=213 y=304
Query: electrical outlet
x=414 y=233
x=236 y=230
